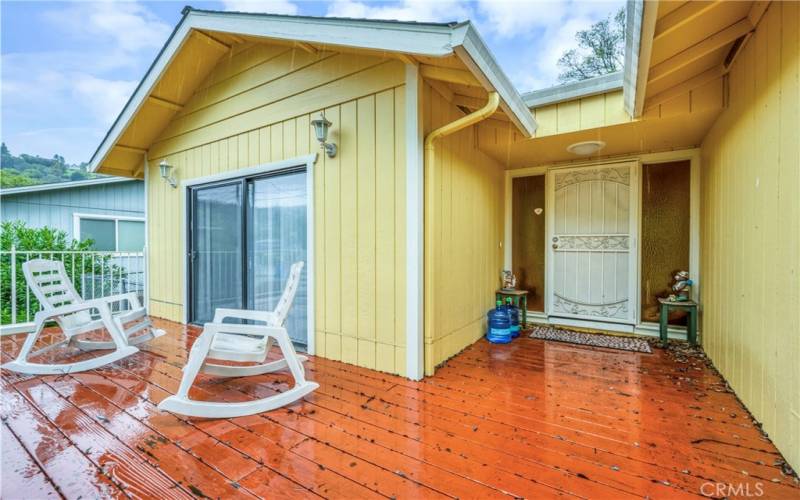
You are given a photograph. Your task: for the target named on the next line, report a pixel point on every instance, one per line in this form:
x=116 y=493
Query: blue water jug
x=513 y=313
x=499 y=325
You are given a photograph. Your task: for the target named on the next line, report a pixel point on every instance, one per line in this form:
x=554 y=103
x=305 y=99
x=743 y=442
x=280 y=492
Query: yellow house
x=443 y=175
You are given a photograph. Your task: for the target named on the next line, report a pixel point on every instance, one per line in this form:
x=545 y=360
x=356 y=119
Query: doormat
x=593 y=339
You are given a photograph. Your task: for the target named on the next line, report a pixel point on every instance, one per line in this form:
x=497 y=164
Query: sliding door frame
x=306 y=162
x=190 y=198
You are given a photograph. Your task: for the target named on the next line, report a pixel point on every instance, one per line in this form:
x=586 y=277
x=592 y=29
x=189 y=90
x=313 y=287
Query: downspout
x=430 y=162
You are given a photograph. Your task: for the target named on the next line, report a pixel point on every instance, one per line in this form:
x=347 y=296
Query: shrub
x=42 y=240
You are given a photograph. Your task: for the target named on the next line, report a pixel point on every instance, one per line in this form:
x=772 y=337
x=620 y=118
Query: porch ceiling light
x=586 y=148
x=165 y=169
x=321 y=126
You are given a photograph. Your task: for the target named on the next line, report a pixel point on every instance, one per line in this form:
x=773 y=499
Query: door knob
x=555 y=246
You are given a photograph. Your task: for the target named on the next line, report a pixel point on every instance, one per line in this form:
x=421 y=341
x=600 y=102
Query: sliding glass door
x=244 y=236
x=276 y=238
x=215 y=253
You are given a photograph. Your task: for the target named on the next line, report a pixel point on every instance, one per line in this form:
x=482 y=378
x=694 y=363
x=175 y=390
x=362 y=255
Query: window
x=110 y=233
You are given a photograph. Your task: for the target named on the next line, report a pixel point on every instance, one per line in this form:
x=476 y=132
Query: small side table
x=518 y=297
x=690 y=306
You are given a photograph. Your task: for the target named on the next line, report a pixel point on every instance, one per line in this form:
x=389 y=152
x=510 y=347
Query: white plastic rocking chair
x=61 y=303
x=243 y=343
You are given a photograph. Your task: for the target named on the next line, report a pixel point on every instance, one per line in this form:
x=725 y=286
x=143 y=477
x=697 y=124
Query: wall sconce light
x=321 y=126
x=166 y=168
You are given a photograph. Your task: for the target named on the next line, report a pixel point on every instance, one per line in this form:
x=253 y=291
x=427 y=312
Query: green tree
x=11 y=179
x=601 y=50
x=43 y=241
x=26 y=170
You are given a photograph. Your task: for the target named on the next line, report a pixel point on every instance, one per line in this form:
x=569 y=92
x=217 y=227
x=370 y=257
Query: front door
x=592 y=243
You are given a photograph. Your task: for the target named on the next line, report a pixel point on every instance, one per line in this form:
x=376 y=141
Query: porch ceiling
x=658 y=134
x=694 y=43
x=495 y=421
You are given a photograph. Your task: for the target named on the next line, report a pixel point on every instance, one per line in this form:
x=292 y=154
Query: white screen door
x=592 y=241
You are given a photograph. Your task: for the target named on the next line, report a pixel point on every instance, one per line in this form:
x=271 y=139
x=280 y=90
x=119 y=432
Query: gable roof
x=411 y=38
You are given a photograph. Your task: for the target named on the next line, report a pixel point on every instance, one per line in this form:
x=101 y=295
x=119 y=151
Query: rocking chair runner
x=243 y=343
x=61 y=303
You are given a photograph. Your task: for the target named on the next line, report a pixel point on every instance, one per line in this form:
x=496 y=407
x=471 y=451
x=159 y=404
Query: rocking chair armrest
x=221 y=314
x=130 y=297
x=46 y=314
x=255 y=330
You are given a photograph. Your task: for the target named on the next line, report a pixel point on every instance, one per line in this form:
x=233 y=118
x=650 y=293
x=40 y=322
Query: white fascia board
x=633 y=32
x=471 y=49
x=639 y=32
x=575 y=90
x=162 y=61
x=411 y=38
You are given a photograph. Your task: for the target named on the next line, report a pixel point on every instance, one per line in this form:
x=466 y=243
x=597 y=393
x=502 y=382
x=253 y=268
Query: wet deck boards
x=531 y=419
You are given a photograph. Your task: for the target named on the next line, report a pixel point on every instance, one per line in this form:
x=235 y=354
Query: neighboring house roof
x=412 y=38
x=57 y=186
x=574 y=90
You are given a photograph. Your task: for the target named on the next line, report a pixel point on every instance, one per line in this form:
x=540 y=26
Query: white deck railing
x=95 y=274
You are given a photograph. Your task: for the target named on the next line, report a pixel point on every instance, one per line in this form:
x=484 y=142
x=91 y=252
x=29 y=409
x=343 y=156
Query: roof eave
x=474 y=53
x=143 y=89
x=640 y=28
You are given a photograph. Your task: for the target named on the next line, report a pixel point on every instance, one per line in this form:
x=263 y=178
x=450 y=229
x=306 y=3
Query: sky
x=67 y=68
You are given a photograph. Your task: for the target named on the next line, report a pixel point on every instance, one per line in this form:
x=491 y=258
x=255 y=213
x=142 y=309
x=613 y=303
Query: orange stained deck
x=531 y=419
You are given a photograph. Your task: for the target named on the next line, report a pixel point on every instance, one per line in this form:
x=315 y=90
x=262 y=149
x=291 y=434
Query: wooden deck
x=531 y=419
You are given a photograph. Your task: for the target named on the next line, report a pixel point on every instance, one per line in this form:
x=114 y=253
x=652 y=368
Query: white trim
x=640 y=28
x=76 y=225
x=611 y=326
x=508 y=227
x=692 y=155
x=415 y=234
x=425 y=39
x=574 y=90
x=146 y=236
x=54 y=186
x=308 y=161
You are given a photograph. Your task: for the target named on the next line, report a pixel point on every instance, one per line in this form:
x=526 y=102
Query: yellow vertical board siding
x=467 y=230
x=750 y=246
x=595 y=111
x=359 y=196
x=365 y=200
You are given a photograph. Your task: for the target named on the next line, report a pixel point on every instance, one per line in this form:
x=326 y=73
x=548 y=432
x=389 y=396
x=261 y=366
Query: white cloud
x=105 y=98
x=128 y=26
x=268 y=6
x=536 y=32
x=406 y=10
x=511 y=18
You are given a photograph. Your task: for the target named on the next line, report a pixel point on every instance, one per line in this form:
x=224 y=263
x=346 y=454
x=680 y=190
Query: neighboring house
x=109 y=210
x=594 y=192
